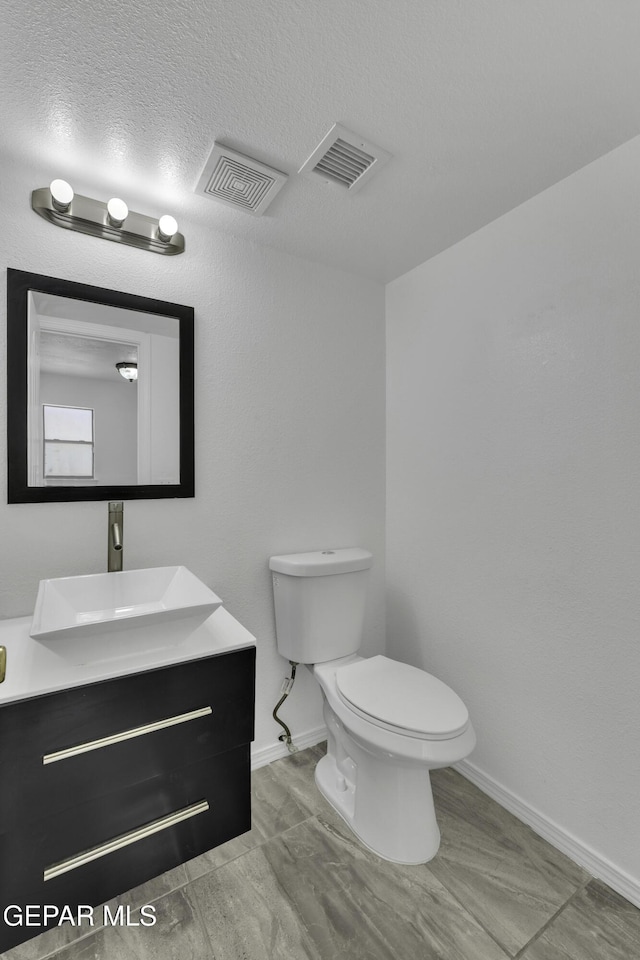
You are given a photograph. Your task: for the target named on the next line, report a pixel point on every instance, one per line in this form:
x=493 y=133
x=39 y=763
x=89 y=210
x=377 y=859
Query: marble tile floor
x=299 y=886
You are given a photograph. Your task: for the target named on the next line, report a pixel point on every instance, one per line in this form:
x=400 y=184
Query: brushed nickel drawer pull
x=72 y=863
x=124 y=735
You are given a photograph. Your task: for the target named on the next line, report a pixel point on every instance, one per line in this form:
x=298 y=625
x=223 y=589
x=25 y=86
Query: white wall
x=289 y=427
x=115 y=424
x=514 y=495
x=164 y=426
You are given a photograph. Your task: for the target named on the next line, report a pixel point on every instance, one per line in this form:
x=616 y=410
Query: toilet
x=388 y=723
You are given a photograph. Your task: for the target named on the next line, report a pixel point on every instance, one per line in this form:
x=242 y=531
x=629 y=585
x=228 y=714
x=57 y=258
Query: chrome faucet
x=114 y=537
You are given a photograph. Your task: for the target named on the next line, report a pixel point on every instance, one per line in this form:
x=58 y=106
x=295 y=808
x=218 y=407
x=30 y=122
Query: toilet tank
x=319 y=602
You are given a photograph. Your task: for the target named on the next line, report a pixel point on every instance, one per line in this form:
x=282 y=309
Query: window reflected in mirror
x=67 y=443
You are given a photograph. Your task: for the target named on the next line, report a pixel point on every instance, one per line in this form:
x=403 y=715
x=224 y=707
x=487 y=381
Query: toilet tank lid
x=322 y=563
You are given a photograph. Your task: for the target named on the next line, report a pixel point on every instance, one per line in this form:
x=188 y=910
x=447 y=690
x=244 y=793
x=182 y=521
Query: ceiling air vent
x=344 y=157
x=239 y=181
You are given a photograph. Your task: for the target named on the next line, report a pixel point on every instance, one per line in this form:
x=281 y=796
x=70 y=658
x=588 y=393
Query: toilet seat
x=401 y=698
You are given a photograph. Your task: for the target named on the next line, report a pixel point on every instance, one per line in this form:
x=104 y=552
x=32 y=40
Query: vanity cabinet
x=106 y=785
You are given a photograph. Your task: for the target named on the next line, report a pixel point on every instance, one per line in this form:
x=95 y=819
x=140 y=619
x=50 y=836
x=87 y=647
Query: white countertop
x=34 y=668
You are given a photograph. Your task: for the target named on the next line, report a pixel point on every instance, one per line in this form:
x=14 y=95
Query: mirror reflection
x=103 y=394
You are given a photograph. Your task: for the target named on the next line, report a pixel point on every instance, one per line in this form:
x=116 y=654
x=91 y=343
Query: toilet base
x=343 y=801
x=387 y=802
x=378 y=780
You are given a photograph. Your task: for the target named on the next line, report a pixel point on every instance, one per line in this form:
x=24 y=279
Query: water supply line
x=285 y=690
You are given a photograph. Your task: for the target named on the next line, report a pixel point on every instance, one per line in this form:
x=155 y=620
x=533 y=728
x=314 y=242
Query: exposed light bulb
x=167 y=226
x=117 y=211
x=61 y=194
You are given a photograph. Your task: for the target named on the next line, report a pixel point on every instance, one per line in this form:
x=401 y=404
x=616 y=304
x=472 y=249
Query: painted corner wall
x=289 y=386
x=513 y=510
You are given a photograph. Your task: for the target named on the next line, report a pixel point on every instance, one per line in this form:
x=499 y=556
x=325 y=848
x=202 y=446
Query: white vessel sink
x=155 y=607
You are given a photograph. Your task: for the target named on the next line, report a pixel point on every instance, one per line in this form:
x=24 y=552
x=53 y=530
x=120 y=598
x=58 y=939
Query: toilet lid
x=403 y=698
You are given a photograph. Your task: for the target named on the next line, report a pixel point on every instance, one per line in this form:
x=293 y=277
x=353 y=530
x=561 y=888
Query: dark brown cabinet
x=104 y=786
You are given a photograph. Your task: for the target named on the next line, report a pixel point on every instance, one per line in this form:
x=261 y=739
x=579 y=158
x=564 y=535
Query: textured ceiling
x=483 y=104
x=84 y=357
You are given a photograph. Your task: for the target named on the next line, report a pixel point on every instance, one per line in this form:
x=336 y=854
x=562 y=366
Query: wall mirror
x=100 y=393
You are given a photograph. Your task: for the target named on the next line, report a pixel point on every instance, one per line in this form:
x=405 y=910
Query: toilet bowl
x=388 y=723
x=376 y=772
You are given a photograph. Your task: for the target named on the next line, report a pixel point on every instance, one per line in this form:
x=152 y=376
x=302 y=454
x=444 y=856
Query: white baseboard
x=597 y=865
x=585 y=856
x=265 y=755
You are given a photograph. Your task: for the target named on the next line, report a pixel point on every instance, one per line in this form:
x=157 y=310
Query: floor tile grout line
x=467 y=909
x=92 y=931
x=303 y=923
x=264 y=842
x=195 y=900
x=552 y=919
x=60 y=950
x=256 y=846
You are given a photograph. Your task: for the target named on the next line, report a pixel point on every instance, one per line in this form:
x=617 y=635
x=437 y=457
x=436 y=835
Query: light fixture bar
x=90 y=216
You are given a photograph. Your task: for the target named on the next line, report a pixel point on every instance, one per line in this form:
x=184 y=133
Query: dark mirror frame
x=19 y=284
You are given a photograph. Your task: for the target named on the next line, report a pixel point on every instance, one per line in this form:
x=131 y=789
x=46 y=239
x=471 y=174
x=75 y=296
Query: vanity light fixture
x=128 y=370
x=58 y=204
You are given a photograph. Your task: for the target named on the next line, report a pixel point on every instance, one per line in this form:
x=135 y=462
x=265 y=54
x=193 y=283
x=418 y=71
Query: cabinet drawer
x=96 y=846
x=63 y=748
